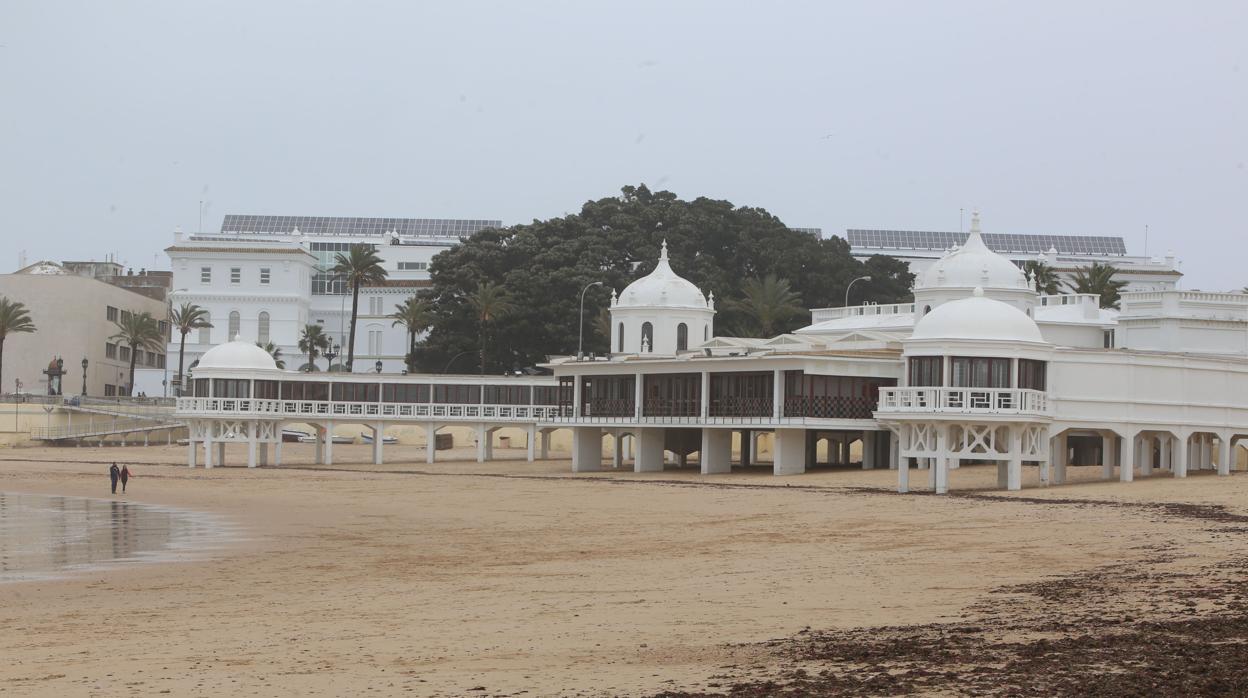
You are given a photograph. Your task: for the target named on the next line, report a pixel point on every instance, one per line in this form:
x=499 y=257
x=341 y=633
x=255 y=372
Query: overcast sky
x=117 y=118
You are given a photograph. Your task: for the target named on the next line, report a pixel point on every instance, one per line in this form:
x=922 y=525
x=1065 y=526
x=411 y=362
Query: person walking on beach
x=125 y=477
x=114 y=474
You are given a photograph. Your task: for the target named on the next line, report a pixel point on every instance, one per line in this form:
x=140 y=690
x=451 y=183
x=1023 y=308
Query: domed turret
x=660 y=313
x=972 y=266
x=977 y=318
x=237 y=355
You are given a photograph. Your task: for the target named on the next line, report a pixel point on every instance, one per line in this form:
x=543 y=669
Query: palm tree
x=186 y=318
x=138 y=331
x=1042 y=277
x=768 y=304
x=312 y=342
x=415 y=314
x=13 y=319
x=490 y=301
x=360 y=266
x=1098 y=279
x=274 y=351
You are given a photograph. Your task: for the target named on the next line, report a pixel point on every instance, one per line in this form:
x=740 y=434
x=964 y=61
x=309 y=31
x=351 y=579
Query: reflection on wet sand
x=44 y=536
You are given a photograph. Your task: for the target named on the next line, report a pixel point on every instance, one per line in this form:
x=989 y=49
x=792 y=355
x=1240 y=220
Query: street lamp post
x=580 y=330
x=84 y=376
x=331 y=354
x=377 y=366
x=851 y=285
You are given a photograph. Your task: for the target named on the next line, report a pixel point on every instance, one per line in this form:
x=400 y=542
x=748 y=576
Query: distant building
x=1065 y=253
x=265 y=277
x=817 y=232
x=75 y=315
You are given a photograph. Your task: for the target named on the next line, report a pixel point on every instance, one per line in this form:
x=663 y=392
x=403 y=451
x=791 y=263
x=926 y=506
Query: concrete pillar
x=208 y=453
x=586 y=449
x=903 y=475
x=531 y=443
x=1167 y=448
x=1224 y=454
x=576 y=395
x=1107 y=459
x=489 y=442
x=1059 y=453
x=789 y=452
x=220 y=453
x=318 y=456
x=483 y=436
x=431 y=442
x=754 y=446
x=1126 y=457
x=844 y=446
x=777 y=396
x=716 y=455
x=868 y=450
x=191 y=454
x=1144 y=454
x=639 y=396
x=894 y=452
x=328 y=451
x=649 y=457
x=705 y=406
x=545 y=449
x=940 y=469
x=252 y=460
x=379 y=439
x=1181 y=454
x=277 y=452
x=1206 y=452
x=1015 y=468
x=745 y=447
x=1003 y=474
x=617 y=452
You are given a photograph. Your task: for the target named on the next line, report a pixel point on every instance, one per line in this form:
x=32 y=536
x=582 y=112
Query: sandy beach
x=515 y=578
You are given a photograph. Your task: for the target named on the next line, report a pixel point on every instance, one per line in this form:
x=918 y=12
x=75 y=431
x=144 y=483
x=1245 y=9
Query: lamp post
x=377 y=366
x=580 y=329
x=331 y=354
x=84 y=376
x=851 y=285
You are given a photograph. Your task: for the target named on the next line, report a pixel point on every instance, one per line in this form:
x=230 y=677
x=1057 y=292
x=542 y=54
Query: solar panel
x=997 y=242
x=327 y=225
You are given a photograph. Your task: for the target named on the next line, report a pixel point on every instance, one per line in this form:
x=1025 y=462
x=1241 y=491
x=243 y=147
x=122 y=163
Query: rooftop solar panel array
x=324 y=225
x=997 y=242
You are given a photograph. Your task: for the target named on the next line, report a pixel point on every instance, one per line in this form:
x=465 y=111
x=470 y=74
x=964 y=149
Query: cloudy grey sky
x=117 y=118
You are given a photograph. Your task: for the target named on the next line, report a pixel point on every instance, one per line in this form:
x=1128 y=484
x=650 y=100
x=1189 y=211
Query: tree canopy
x=544 y=265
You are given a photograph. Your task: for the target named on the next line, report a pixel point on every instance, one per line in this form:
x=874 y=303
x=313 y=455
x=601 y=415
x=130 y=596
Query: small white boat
x=294 y=435
x=367 y=438
x=311 y=439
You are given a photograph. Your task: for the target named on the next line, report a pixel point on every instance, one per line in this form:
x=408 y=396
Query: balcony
x=192 y=407
x=970 y=401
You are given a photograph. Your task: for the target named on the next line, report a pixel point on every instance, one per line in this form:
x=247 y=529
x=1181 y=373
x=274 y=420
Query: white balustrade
x=256 y=407
x=964 y=400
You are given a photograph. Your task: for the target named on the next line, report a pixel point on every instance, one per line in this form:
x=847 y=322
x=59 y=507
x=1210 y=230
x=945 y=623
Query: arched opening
x=706 y=333
x=620 y=342
x=682 y=337
x=647 y=337
x=235 y=324
x=262 y=329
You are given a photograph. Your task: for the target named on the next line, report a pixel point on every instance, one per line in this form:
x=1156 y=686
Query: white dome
x=971 y=265
x=238 y=354
x=977 y=317
x=661 y=288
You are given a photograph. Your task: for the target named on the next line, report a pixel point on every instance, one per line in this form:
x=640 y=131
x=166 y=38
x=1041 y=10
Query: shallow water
x=48 y=536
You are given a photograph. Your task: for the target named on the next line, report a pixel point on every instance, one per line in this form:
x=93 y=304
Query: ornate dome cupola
x=968 y=267
x=660 y=313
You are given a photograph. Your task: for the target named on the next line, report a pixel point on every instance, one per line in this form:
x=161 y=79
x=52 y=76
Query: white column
x=716 y=453
x=639 y=395
x=1003 y=474
x=1107 y=457
x=379 y=438
x=903 y=475
x=531 y=443
x=1206 y=452
x=617 y=452
x=328 y=451
x=431 y=442
x=1224 y=453
x=1167 y=446
x=277 y=452
x=319 y=448
x=789 y=452
x=754 y=447
x=777 y=396
x=586 y=449
x=868 y=450
x=191 y=455
x=208 y=427
x=1180 y=455
x=649 y=451
x=894 y=452
x=545 y=449
x=705 y=407
x=1015 y=474
x=251 y=445
x=940 y=471
x=489 y=442
x=1059 y=453
x=576 y=396
x=482 y=435
x=1126 y=457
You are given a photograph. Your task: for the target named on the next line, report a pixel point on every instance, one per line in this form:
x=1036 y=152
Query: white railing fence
x=964 y=400
x=295 y=409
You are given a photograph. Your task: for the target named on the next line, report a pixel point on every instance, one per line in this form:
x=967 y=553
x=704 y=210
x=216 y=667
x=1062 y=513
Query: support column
x=586 y=449
x=868 y=450
x=482 y=435
x=843 y=444
x=1180 y=455
x=745 y=447
x=1206 y=452
x=319 y=449
x=1015 y=475
x=1003 y=474
x=617 y=452
x=1224 y=454
x=531 y=445
x=649 y=458
x=191 y=454
x=1167 y=448
x=754 y=446
x=208 y=445
x=940 y=471
x=789 y=452
x=545 y=448
x=277 y=452
x=1107 y=459
x=1145 y=458
x=252 y=454
x=903 y=475
x=894 y=452
x=639 y=396
x=328 y=451
x=1126 y=457
x=379 y=438
x=716 y=453
x=705 y=397
x=431 y=442
x=777 y=395
x=220 y=453
x=1059 y=452
x=489 y=442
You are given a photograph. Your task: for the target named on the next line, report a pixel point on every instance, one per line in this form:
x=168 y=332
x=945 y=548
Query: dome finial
x=975 y=221
x=978 y=292
x=663 y=251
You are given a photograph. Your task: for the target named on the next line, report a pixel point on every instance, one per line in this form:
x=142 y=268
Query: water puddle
x=49 y=536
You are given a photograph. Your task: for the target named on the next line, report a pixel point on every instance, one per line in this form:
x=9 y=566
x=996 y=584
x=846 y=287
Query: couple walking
x=116 y=474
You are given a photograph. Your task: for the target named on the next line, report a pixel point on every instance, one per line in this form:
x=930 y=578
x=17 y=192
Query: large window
x=831 y=397
x=673 y=395
x=608 y=396
x=265 y=275
x=110 y=350
x=926 y=371
x=325 y=282
x=305 y=390
x=262 y=331
x=230 y=387
x=236 y=275
x=550 y=395
x=682 y=337
x=741 y=394
x=457 y=394
x=620 y=341
x=110 y=314
x=355 y=392
x=506 y=395
x=647 y=337
x=412 y=393
x=235 y=326
x=205 y=332
x=979 y=372
x=205 y=275
x=1031 y=374
x=267 y=390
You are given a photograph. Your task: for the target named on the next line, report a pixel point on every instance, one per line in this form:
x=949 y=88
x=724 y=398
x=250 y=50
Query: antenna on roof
x=959 y=220
x=1145 y=239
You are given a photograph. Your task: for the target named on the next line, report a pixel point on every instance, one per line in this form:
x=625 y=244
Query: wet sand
x=506 y=578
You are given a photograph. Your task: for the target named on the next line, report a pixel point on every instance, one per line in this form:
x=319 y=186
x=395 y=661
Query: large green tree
x=14 y=318
x=415 y=315
x=360 y=266
x=545 y=264
x=1098 y=279
x=490 y=302
x=1043 y=277
x=138 y=331
x=187 y=317
x=767 y=305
